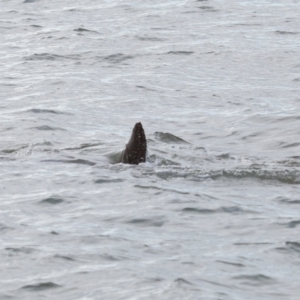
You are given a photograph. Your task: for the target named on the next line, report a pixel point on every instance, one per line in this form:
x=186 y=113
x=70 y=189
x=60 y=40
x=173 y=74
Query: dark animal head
x=136 y=148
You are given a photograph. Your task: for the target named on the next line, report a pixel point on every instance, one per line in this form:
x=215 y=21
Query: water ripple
x=234 y=210
x=72 y=161
x=41 y=286
x=255 y=280
x=47 y=111
x=52 y=200
x=169 y=138
x=154 y=221
x=52 y=57
x=48 y=128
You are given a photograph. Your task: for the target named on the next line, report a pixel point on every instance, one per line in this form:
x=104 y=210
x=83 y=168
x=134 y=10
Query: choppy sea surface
x=214 y=213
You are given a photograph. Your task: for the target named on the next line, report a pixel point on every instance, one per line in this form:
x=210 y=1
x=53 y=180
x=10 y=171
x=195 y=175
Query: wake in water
x=170 y=157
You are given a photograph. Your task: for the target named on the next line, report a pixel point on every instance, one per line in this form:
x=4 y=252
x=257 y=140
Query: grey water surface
x=214 y=213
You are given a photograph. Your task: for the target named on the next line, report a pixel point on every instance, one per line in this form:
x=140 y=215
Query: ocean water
x=214 y=213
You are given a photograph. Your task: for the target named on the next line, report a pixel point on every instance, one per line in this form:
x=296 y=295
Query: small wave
x=145 y=88
x=72 y=161
x=73 y=9
x=6 y=159
x=208 y=8
x=7 y=28
x=285 y=176
x=10 y=151
x=231 y=210
x=180 y=52
x=84 y=146
x=41 y=286
x=287 y=201
x=47 y=111
x=158 y=28
x=52 y=200
x=160 y=161
x=48 y=56
x=168 y=174
x=182 y=281
x=46 y=128
x=63 y=257
x=290 y=162
x=169 y=138
x=223 y=156
x=291 y=224
x=286 y=32
x=107 y=180
x=285 y=119
x=255 y=280
x=117 y=58
x=110 y=257
x=289 y=248
x=4 y=228
x=155 y=221
x=80 y=29
x=44 y=143
x=290 y=145
x=247 y=24
x=199 y=210
x=161 y=189
x=231 y=263
x=9 y=84
x=293 y=245
x=246 y=244
x=21 y=250
x=190 y=12
x=149 y=38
